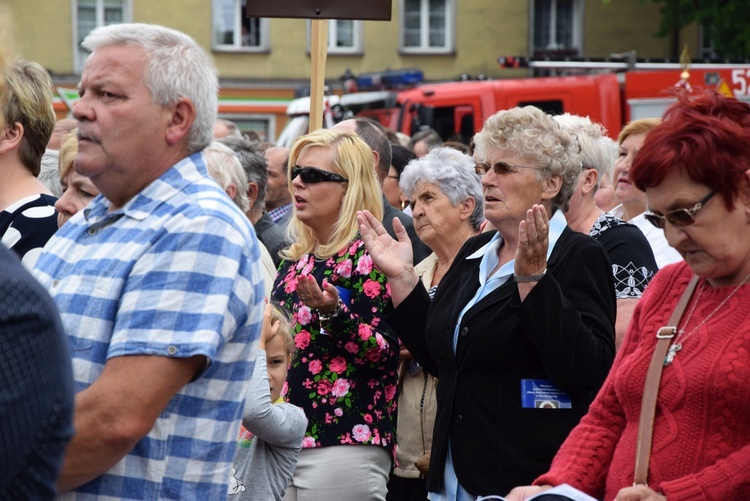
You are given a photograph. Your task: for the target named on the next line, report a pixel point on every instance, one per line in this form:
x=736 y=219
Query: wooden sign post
x=320 y=11
x=318 y=55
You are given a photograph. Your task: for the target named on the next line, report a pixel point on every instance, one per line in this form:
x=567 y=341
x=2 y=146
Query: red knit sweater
x=701 y=440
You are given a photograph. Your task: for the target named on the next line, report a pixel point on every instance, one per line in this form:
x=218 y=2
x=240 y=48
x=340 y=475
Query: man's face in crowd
x=121 y=131
x=277 y=189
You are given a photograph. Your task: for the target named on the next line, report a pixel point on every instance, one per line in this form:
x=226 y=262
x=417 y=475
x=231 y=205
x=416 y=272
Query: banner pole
x=318 y=53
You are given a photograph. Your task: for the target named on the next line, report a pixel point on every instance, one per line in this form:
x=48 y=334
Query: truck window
x=453 y=123
x=551 y=107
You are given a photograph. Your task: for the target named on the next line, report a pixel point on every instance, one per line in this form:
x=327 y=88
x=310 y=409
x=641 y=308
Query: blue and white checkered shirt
x=279 y=212
x=174 y=273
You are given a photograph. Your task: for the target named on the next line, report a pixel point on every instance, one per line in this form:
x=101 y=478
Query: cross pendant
x=671 y=352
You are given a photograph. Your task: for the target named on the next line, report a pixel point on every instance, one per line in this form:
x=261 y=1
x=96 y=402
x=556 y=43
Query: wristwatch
x=327 y=317
x=530 y=278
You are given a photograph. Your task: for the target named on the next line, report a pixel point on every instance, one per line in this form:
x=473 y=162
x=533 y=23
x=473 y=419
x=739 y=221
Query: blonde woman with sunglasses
x=344 y=372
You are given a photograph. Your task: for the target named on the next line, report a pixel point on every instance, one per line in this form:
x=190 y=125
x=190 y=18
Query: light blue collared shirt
x=452 y=489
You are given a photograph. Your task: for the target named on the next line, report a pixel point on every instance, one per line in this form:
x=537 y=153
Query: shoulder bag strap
x=651 y=387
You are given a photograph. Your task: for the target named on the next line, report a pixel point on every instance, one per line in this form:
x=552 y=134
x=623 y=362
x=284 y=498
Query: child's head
x=279 y=352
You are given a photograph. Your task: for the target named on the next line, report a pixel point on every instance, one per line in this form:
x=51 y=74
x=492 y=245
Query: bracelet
x=530 y=278
x=327 y=317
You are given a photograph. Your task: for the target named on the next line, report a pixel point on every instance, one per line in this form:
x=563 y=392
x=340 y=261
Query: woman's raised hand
x=392 y=257
x=533 y=241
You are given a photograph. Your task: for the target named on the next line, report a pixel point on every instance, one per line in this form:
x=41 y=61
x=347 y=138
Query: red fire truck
x=607 y=94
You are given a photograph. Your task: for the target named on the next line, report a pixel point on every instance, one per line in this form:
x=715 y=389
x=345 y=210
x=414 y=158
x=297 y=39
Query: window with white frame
x=344 y=36
x=232 y=30
x=557 y=26
x=90 y=14
x=427 y=25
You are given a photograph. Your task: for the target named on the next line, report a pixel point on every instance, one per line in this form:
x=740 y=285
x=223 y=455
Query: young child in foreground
x=272 y=430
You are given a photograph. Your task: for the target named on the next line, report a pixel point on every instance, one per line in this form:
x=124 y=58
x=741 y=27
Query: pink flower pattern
x=364 y=266
x=344 y=268
x=346 y=378
x=372 y=288
x=315 y=366
x=340 y=388
x=304 y=315
x=361 y=433
x=337 y=365
x=302 y=339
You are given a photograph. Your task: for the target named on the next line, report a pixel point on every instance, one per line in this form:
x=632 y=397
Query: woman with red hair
x=695 y=170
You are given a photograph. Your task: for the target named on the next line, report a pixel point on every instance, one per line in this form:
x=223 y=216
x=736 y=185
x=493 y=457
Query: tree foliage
x=726 y=22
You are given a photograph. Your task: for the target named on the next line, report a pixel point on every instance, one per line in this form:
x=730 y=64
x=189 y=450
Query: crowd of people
x=188 y=312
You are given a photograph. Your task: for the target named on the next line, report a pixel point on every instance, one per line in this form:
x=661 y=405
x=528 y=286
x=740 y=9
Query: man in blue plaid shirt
x=157 y=281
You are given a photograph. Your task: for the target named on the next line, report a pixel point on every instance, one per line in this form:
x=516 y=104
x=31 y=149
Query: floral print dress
x=344 y=373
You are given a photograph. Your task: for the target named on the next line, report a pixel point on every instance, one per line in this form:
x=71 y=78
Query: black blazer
x=563 y=332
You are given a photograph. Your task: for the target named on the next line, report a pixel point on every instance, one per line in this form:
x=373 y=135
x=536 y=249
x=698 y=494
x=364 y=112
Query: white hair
x=49 y=174
x=451 y=171
x=531 y=134
x=598 y=151
x=177 y=67
x=224 y=167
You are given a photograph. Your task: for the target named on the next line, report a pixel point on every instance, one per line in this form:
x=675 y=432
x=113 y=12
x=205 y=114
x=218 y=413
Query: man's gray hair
x=451 y=171
x=430 y=137
x=224 y=167
x=255 y=165
x=177 y=67
x=598 y=151
x=372 y=133
x=232 y=127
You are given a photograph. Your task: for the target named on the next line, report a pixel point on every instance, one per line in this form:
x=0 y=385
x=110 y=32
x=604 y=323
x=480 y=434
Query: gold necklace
x=681 y=336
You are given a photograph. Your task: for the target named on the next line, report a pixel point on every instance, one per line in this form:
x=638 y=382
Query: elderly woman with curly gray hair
x=521 y=329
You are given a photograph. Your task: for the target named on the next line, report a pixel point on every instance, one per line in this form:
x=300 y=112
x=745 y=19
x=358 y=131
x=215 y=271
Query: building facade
x=262 y=61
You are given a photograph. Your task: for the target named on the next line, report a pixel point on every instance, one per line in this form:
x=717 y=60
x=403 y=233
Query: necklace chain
x=681 y=336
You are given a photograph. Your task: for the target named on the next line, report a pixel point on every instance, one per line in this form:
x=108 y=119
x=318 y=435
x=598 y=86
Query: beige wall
x=621 y=26
x=45 y=37
x=481 y=27
x=484 y=30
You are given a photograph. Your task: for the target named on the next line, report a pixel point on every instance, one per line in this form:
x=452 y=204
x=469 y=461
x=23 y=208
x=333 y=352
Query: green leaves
x=724 y=22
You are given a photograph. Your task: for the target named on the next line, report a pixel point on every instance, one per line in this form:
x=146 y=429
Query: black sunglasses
x=500 y=168
x=679 y=217
x=311 y=175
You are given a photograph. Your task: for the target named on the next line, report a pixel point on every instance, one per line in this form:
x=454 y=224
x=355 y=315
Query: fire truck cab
x=457 y=110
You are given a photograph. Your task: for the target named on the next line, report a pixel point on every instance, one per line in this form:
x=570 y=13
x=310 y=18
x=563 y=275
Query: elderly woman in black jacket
x=522 y=327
